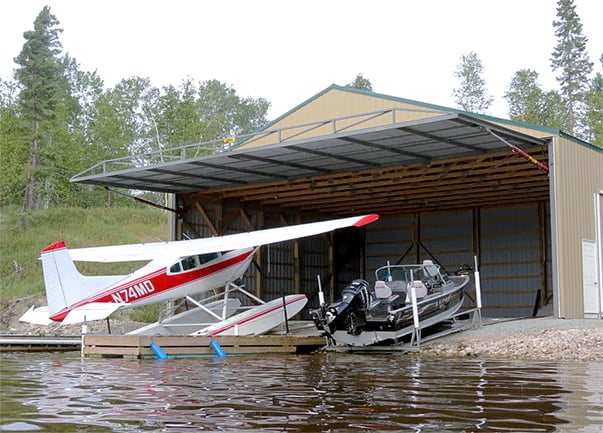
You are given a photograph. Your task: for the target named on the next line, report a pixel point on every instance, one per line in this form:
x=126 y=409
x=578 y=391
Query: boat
x=383 y=313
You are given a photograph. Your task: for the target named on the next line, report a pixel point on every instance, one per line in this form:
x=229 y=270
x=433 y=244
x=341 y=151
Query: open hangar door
x=511 y=245
x=447 y=187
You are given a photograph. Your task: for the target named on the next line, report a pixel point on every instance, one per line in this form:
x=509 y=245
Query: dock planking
x=28 y=343
x=138 y=346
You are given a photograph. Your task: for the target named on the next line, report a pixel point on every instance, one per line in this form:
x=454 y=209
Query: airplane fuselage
x=156 y=282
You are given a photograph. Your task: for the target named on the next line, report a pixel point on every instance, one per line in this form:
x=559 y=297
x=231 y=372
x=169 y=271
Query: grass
x=20 y=269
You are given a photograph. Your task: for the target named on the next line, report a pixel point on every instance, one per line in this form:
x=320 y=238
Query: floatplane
x=175 y=270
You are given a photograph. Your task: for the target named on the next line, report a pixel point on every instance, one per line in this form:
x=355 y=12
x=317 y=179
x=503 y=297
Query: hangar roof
x=449 y=160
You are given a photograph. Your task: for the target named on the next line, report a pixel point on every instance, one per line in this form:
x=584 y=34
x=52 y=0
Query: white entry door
x=592 y=295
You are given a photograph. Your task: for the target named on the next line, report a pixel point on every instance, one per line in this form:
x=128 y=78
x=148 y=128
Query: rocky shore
x=11 y=310
x=543 y=338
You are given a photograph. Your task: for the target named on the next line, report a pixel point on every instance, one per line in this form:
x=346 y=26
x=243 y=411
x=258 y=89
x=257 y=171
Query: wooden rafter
x=485 y=179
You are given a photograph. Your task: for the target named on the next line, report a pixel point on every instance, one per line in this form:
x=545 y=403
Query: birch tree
x=472 y=95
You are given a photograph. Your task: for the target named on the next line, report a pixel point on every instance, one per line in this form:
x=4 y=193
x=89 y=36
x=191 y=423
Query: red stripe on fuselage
x=160 y=282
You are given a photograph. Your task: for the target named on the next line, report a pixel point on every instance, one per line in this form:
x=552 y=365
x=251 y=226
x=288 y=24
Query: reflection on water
x=323 y=392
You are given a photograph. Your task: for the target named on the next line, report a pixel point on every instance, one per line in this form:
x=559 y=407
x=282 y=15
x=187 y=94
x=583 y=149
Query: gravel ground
x=542 y=338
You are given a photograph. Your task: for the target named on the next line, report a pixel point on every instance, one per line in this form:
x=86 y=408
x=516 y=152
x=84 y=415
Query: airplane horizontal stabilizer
x=92 y=311
x=36 y=316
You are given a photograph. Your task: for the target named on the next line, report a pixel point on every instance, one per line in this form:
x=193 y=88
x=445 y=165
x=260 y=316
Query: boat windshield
x=408 y=273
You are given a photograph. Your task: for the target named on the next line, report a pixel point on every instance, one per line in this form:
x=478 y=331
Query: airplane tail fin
x=65 y=285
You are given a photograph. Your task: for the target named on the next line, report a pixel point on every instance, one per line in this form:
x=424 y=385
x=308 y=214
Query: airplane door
x=592 y=295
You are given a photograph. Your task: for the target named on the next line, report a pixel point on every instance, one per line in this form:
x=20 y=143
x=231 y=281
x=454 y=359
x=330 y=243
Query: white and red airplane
x=176 y=269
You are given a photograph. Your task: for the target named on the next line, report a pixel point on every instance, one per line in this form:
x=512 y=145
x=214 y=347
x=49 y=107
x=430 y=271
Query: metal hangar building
x=525 y=202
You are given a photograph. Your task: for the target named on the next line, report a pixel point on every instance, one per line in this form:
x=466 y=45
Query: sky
x=286 y=51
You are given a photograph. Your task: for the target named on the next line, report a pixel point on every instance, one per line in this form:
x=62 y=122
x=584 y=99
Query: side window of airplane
x=189 y=263
x=204 y=258
x=192 y=262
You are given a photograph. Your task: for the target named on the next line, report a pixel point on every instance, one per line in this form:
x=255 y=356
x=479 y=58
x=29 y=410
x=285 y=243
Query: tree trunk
x=29 y=197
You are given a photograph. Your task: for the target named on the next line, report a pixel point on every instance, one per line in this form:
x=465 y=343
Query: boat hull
x=373 y=335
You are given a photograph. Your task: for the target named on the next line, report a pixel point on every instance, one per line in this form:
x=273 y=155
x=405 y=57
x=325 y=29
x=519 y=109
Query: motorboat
x=383 y=313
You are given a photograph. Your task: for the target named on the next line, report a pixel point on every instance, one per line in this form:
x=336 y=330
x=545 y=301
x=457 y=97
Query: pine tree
x=40 y=77
x=594 y=114
x=571 y=59
x=472 y=95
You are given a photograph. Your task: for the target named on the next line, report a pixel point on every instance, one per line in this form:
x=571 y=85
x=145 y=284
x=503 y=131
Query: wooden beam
x=211 y=225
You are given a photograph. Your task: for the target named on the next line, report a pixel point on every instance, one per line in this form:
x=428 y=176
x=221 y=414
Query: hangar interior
x=448 y=186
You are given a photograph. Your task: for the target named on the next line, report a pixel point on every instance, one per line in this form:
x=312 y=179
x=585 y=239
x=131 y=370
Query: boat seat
x=383 y=297
x=383 y=293
x=420 y=290
x=382 y=290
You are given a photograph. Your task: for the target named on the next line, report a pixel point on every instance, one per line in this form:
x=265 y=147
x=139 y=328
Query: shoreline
x=540 y=338
x=533 y=338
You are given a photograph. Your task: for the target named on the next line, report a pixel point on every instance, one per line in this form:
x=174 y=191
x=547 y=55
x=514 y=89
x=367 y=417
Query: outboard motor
x=464 y=270
x=347 y=313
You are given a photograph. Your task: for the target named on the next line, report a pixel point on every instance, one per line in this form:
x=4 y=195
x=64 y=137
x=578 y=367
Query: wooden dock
x=138 y=346
x=25 y=343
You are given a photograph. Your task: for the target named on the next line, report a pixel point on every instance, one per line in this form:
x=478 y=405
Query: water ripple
x=323 y=392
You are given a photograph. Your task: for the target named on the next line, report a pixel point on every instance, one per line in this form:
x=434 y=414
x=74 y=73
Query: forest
x=57 y=120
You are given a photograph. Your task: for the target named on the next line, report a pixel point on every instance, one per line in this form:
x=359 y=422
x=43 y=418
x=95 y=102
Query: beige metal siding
x=578 y=176
x=338 y=104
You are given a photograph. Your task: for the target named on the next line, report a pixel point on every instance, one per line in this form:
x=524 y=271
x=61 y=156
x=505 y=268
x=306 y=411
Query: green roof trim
x=579 y=141
x=486 y=117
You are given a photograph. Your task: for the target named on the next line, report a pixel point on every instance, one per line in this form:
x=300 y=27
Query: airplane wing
x=176 y=249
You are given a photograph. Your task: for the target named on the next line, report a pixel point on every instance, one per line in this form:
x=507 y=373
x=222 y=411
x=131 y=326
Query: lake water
x=325 y=392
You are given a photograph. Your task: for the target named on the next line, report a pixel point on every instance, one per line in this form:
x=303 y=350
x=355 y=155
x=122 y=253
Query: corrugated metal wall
x=448 y=238
x=390 y=238
x=314 y=262
x=578 y=177
x=512 y=253
x=510 y=243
